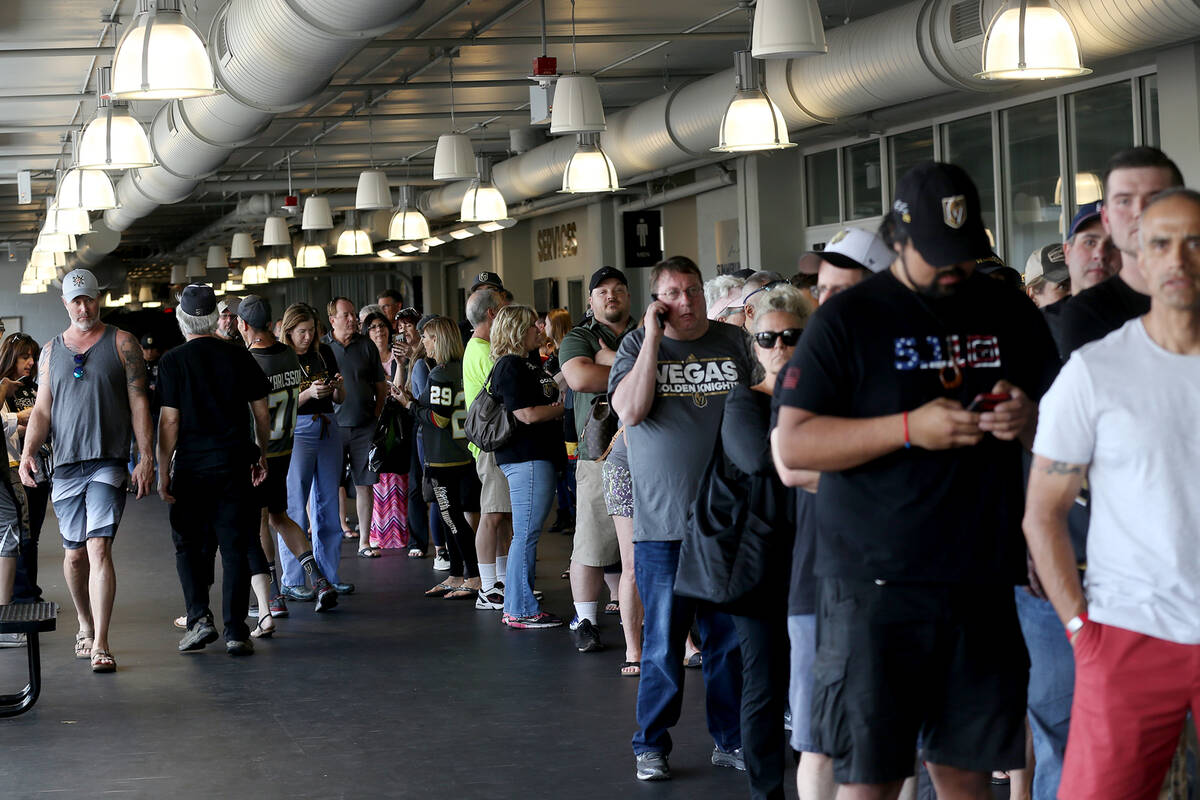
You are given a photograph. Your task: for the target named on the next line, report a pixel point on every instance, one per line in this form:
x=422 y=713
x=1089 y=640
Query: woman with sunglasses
x=760 y=616
x=18 y=362
x=389 y=515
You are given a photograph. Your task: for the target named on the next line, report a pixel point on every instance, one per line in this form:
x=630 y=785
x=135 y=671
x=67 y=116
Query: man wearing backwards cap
x=211 y=394
x=920 y=500
x=91 y=397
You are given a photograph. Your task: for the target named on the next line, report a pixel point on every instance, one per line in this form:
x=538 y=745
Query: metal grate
x=966 y=21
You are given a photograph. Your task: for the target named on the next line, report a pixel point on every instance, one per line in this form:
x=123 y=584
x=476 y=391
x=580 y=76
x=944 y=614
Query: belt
x=324 y=420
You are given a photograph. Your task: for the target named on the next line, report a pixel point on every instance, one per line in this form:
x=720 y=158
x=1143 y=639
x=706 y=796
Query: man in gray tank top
x=91 y=397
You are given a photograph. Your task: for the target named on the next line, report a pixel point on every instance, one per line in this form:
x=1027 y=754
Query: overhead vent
x=966 y=20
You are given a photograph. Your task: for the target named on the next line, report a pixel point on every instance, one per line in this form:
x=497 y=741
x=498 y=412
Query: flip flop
x=631 y=669
x=441 y=590
x=348 y=535
x=460 y=592
x=83 y=645
x=612 y=607
x=102 y=661
x=368 y=552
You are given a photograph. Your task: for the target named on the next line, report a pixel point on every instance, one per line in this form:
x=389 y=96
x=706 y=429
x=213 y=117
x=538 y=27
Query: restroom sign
x=643 y=238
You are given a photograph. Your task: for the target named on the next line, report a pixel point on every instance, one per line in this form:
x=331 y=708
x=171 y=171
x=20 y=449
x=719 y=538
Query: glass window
x=1031 y=173
x=861 y=171
x=1101 y=123
x=1150 y=133
x=906 y=150
x=968 y=143
x=821 y=175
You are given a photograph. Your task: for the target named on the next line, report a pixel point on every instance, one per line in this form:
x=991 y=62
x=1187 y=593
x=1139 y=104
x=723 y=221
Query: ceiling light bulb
x=161 y=56
x=254 y=275
x=752 y=122
x=1045 y=47
x=114 y=140
x=73 y=221
x=311 y=256
x=279 y=268
x=482 y=203
x=590 y=169
x=89 y=189
x=354 y=242
x=407 y=225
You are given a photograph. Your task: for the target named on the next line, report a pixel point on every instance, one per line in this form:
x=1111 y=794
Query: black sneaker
x=652 y=766
x=733 y=758
x=239 y=647
x=200 y=634
x=585 y=636
x=327 y=596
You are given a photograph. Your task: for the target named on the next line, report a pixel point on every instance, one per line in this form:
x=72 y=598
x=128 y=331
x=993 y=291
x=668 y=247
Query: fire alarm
x=545 y=68
x=291 y=204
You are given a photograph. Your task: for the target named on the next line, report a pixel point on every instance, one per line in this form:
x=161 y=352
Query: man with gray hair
x=209 y=393
x=720 y=295
x=91 y=398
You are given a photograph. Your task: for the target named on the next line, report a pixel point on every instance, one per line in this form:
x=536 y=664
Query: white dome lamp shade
x=374 y=193
x=752 y=122
x=353 y=241
x=454 y=158
x=89 y=189
x=216 y=258
x=145 y=294
x=73 y=221
x=483 y=201
x=279 y=267
x=161 y=56
x=241 y=247
x=408 y=224
x=254 y=275
x=577 y=106
x=275 y=232
x=590 y=169
x=178 y=275
x=113 y=139
x=196 y=267
x=311 y=256
x=317 y=215
x=1030 y=40
x=787 y=29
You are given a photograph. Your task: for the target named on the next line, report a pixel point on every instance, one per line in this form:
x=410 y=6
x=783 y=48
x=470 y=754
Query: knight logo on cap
x=901 y=208
x=954 y=211
x=77 y=280
x=483 y=276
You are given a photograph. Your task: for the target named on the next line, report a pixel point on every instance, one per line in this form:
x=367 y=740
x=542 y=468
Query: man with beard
x=227 y=321
x=912 y=393
x=91 y=398
x=586 y=355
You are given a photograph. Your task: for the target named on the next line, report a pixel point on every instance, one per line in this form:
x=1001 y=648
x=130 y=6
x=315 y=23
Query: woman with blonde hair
x=530 y=459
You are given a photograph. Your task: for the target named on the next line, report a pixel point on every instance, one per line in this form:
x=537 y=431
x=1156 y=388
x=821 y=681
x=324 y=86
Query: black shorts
x=461 y=483
x=272 y=492
x=942 y=667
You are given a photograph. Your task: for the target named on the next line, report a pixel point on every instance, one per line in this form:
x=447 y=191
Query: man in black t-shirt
x=1131 y=178
x=919 y=509
x=210 y=393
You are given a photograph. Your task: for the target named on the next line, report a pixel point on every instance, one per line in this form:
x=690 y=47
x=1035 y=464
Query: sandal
x=442 y=589
x=694 y=661
x=460 y=592
x=631 y=669
x=348 y=534
x=612 y=607
x=102 y=661
x=368 y=552
x=260 y=632
x=83 y=645
x=416 y=552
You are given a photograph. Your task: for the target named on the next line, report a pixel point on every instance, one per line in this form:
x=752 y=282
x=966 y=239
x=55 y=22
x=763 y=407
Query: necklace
x=950 y=375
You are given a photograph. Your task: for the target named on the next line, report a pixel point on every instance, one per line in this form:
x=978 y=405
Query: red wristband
x=907 y=441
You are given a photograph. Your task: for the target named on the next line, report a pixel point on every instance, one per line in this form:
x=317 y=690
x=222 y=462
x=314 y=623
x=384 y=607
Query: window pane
x=908 y=150
x=864 y=194
x=1150 y=111
x=1101 y=124
x=1031 y=136
x=821 y=173
x=968 y=143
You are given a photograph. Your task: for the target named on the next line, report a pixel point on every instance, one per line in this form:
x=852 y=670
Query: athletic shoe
x=440 y=562
x=180 y=622
x=327 y=596
x=539 y=620
x=585 y=636
x=239 y=647
x=13 y=640
x=733 y=759
x=277 y=607
x=200 y=634
x=301 y=593
x=344 y=588
x=787 y=719
x=490 y=601
x=652 y=766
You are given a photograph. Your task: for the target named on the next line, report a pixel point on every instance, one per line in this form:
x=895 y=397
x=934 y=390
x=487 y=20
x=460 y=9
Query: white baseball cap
x=80 y=282
x=854 y=248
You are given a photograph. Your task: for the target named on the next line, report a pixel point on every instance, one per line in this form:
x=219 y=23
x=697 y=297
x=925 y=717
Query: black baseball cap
x=1087 y=213
x=939 y=206
x=487 y=279
x=603 y=274
x=255 y=311
x=148 y=342
x=196 y=300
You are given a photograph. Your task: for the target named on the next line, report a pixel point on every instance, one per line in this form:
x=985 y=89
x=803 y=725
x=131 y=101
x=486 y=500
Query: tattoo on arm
x=135 y=365
x=1063 y=468
x=44 y=365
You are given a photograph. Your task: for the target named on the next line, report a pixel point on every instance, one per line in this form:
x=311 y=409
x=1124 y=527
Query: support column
x=1179 y=108
x=770 y=229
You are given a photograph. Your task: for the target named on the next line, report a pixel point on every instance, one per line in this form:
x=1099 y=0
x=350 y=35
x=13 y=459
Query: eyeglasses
x=79 y=359
x=408 y=312
x=766 y=339
x=379 y=326
x=671 y=295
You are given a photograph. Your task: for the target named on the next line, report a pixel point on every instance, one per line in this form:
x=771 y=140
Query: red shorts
x=1132 y=695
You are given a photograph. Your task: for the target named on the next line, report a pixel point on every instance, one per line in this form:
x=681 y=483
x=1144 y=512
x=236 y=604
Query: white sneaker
x=441 y=563
x=12 y=640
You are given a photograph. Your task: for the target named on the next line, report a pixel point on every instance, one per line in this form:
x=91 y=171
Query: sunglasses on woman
x=766 y=339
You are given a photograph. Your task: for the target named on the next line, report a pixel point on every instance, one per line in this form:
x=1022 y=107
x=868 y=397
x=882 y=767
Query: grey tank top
x=90 y=416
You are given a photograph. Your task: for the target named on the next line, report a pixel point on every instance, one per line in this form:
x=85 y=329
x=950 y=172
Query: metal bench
x=30 y=619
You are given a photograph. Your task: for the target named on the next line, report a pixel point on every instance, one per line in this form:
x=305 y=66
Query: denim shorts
x=618 y=490
x=802 y=631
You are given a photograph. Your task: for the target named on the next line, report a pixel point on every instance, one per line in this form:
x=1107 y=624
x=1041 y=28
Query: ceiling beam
x=56 y=52
x=525 y=41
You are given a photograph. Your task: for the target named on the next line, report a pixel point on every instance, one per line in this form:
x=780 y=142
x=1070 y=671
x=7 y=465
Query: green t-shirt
x=584 y=340
x=476 y=364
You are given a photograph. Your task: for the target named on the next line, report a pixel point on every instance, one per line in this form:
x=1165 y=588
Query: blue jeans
x=667 y=620
x=1051 y=689
x=531 y=487
x=314 y=472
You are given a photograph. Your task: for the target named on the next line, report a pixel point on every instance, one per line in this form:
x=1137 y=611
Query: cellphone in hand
x=988 y=402
x=402 y=337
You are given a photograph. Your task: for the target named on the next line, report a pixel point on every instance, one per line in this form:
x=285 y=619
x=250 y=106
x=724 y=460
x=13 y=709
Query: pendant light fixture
x=752 y=122
x=483 y=201
x=254 y=275
x=196 y=267
x=113 y=139
x=787 y=29
x=275 y=232
x=407 y=223
x=453 y=159
x=72 y=221
x=145 y=294
x=162 y=56
x=354 y=241
x=317 y=214
x=279 y=267
x=577 y=104
x=1030 y=40
x=311 y=254
x=590 y=169
x=374 y=193
x=216 y=258
x=178 y=275
x=89 y=189
x=241 y=247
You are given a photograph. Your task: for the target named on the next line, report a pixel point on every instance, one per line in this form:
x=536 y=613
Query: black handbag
x=391 y=447
x=599 y=429
x=489 y=425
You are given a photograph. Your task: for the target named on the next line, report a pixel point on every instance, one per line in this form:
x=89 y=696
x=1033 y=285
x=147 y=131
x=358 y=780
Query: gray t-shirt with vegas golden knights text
x=669 y=450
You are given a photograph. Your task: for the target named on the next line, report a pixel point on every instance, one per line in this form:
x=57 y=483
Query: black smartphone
x=662 y=315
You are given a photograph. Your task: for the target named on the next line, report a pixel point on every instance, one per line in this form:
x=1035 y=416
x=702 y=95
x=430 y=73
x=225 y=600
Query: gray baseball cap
x=78 y=283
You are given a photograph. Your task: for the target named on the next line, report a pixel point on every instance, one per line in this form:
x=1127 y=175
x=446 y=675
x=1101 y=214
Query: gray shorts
x=618 y=490
x=802 y=630
x=493 y=497
x=595 y=541
x=357 y=442
x=89 y=499
x=12 y=531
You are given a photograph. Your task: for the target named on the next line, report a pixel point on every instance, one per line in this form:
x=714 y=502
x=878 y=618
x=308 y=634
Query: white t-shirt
x=1129 y=408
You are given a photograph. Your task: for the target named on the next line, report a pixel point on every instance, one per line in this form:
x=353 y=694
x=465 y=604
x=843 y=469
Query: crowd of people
x=818 y=490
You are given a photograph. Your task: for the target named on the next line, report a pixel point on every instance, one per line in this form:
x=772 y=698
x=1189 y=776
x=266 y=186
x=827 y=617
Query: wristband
x=1075 y=624
x=907 y=441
